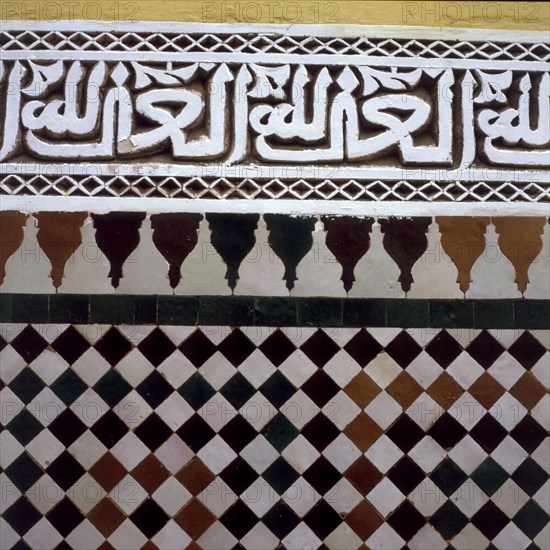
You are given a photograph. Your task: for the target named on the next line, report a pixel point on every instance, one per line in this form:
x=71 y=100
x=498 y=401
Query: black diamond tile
x=26 y=385
x=280 y=432
x=196 y=433
x=238 y=433
x=320 y=348
x=405 y=433
x=65 y=470
x=444 y=349
x=22 y=545
x=489 y=476
x=406 y=475
x=447 y=431
x=239 y=519
x=531 y=519
x=277 y=347
x=67 y=427
x=278 y=389
x=448 y=520
x=198 y=348
x=485 y=349
x=320 y=388
x=530 y=476
x=68 y=387
x=322 y=519
x=281 y=520
x=239 y=475
x=154 y=389
x=448 y=476
x=237 y=390
x=22 y=515
x=24 y=427
x=280 y=475
x=322 y=475
x=111 y=387
x=29 y=344
x=149 y=518
x=320 y=431
x=236 y=347
x=363 y=347
x=406 y=521
x=65 y=516
x=109 y=429
x=3 y=343
x=70 y=345
x=488 y=433
x=156 y=347
x=529 y=433
x=490 y=520
x=153 y=431
x=196 y=391
x=113 y=346
x=527 y=350
x=403 y=349
x=24 y=472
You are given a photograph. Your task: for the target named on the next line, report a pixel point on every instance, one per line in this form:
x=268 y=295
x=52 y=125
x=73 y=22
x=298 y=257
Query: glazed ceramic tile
x=87 y=263
x=319 y=273
x=204 y=268
x=431 y=463
x=492 y=274
x=261 y=259
x=28 y=268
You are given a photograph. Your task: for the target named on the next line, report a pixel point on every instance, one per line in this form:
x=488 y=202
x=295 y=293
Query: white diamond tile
x=259 y=453
x=217 y=454
x=384 y=453
x=130 y=450
x=385 y=497
x=171 y=496
x=342 y=453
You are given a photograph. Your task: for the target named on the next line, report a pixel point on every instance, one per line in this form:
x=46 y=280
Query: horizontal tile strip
x=273 y=311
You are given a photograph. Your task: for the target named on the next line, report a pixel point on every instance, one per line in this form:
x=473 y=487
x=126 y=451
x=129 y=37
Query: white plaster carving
x=337 y=116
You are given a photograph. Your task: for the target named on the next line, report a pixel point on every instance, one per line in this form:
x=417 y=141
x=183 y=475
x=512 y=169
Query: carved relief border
x=273 y=115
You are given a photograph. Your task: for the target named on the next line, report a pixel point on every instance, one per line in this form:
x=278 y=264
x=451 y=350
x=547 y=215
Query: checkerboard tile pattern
x=221 y=438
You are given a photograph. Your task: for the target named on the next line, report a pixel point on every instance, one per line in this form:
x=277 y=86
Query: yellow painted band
x=481 y=15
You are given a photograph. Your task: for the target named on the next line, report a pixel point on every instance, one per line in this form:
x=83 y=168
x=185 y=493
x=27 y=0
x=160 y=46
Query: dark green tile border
x=273 y=311
x=451 y=313
x=111 y=309
x=319 y=312
x=226 y=310
x=69 y=308
x=29 y=308
x=494 y=313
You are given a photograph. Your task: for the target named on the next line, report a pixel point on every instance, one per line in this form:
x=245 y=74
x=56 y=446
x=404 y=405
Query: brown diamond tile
x=445 y=390
x=195 y=519
x=363 y=431
x=364 y=475
x=486 y=390
x=150 y=473
x=196 y=476
x=106 y=517
x=193 y=546
x=106 y=546
x=364 y=519
x=528 y=391
x=149 y=545
x=362 y=389
x=108 y=471
x=404 y=389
